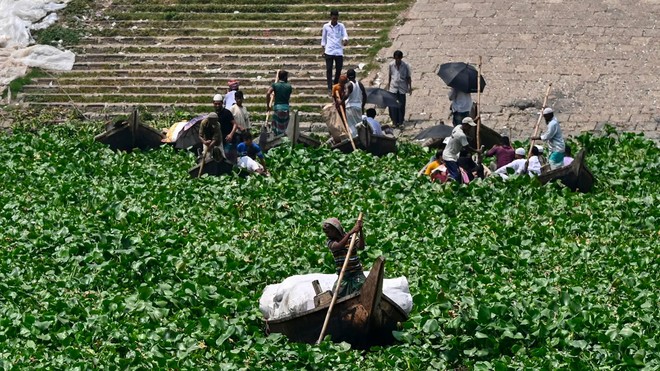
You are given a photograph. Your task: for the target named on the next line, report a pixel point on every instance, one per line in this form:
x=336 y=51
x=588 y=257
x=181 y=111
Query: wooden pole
x=538 y=122
x=203 y=161
x=345 y=122
x=336 y=293
x=479 y=104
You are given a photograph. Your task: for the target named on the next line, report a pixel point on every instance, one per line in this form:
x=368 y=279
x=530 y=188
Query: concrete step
x=214 y=40
x=317 y=66
x=318 y=16
x=120 y=47
x=200 y=57
x=187 y=73
x=248 y=90
x=238 y=24
x=149 y=30
x=134 y=98
x=64 y=80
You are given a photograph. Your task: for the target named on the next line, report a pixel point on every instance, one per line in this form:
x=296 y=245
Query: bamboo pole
x=538 y=122
x=336 y=293
x=345 y=122
x=479 y=104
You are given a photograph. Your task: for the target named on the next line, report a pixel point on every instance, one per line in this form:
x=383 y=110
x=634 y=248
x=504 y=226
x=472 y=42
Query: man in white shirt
x=461 y=104
x=370 y=118
x=399 y=83
x=554 y=138
x=518 y=164
x=356 y=98
x=333 y=39
x=457 y=141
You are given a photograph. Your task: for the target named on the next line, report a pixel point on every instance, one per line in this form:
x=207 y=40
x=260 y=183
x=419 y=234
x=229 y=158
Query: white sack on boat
x=296 y=294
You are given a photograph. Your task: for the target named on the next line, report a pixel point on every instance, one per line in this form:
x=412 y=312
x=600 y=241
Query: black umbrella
x=461 y=76
x=382 y=98
x=435 y=132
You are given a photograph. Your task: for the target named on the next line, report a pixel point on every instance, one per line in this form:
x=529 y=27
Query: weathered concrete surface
x=603 y=58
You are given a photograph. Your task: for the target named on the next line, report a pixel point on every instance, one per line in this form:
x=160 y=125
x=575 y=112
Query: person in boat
x=228 y=127
x=375 y=126
x=518 y=164
x=568 y=156
x=280 y=94
x=457 y=141
x=230 y=97
x=554 y=138
x=534 y=162
x=248 y=153
x=434 y=164
x=356 y=98
x=339 y=97
x=338 y=242
x=503 y=153
x=471 y=168
x=211 y=137
x=461 y=104
x=241 y=115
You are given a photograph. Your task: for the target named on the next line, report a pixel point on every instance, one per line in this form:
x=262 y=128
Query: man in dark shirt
x=228 y=127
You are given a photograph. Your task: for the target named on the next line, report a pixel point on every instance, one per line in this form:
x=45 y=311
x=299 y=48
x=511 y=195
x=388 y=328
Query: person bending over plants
x=338 y=243
x=248 y=152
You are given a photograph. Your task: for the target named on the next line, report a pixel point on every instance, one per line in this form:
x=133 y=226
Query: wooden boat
x=267 y=140
x=363 y=319
x=575 y=176
x=131 y=134
x=212 y=167
x=377 y=145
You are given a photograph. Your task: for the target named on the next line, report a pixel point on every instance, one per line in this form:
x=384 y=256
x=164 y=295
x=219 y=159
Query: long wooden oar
x=335 y=295
x=479 y=104
x=202 y=161
x=538 y=122
x=345 y=122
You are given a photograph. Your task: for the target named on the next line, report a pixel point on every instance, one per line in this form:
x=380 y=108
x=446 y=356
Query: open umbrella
x=189 y=135
x=381 y=98
x=435 y=132
x=461 y=76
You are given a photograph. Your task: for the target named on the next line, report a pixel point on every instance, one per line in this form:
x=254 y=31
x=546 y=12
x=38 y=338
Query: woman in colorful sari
x=279 y=95
x=338 y=243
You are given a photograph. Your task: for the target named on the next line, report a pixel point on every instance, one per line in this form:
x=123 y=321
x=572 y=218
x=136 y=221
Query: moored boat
x=130 y=134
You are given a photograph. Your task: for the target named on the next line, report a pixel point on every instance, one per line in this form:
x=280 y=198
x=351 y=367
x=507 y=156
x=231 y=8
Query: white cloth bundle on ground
x=17 y=18
x=296 y=294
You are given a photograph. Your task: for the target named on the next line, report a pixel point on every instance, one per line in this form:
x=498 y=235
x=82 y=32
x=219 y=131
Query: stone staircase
x=167 y=55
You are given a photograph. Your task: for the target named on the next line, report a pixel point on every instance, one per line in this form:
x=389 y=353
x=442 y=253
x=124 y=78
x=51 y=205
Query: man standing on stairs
x=333 y=39
x=399 y=83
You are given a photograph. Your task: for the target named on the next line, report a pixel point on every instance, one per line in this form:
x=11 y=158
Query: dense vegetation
x=120 y=260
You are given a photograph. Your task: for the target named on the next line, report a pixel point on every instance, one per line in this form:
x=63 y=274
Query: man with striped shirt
x=338 y=243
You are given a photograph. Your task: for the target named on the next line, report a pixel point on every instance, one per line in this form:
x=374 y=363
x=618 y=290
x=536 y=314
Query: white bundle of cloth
x=296 y=294
x=17 y=19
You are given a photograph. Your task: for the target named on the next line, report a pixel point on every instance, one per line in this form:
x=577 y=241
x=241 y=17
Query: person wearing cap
x=503 y=153
x=211 y=136
x=461 y=104
x=554 y=138
x=338 y=242
x=228 y=127
x=240 y=113
x=457 y=141
x=400 y=84
x=518 y=164
x=333 y=40
x=356 y=98
x=534 y=162
x=230 y=97
x=280 y=94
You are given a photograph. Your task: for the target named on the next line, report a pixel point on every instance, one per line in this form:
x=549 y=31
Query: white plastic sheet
x=17 y=19
x=296 y=294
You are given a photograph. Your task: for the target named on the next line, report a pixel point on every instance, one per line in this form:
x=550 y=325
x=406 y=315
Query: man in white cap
x=519 y=165
x=457 y=141
x=554 y=138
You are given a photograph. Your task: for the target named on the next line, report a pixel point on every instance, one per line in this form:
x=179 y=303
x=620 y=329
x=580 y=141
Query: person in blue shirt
x=248 y=152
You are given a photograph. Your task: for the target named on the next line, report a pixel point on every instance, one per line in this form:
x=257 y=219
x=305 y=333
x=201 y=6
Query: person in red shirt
x=503 y=153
